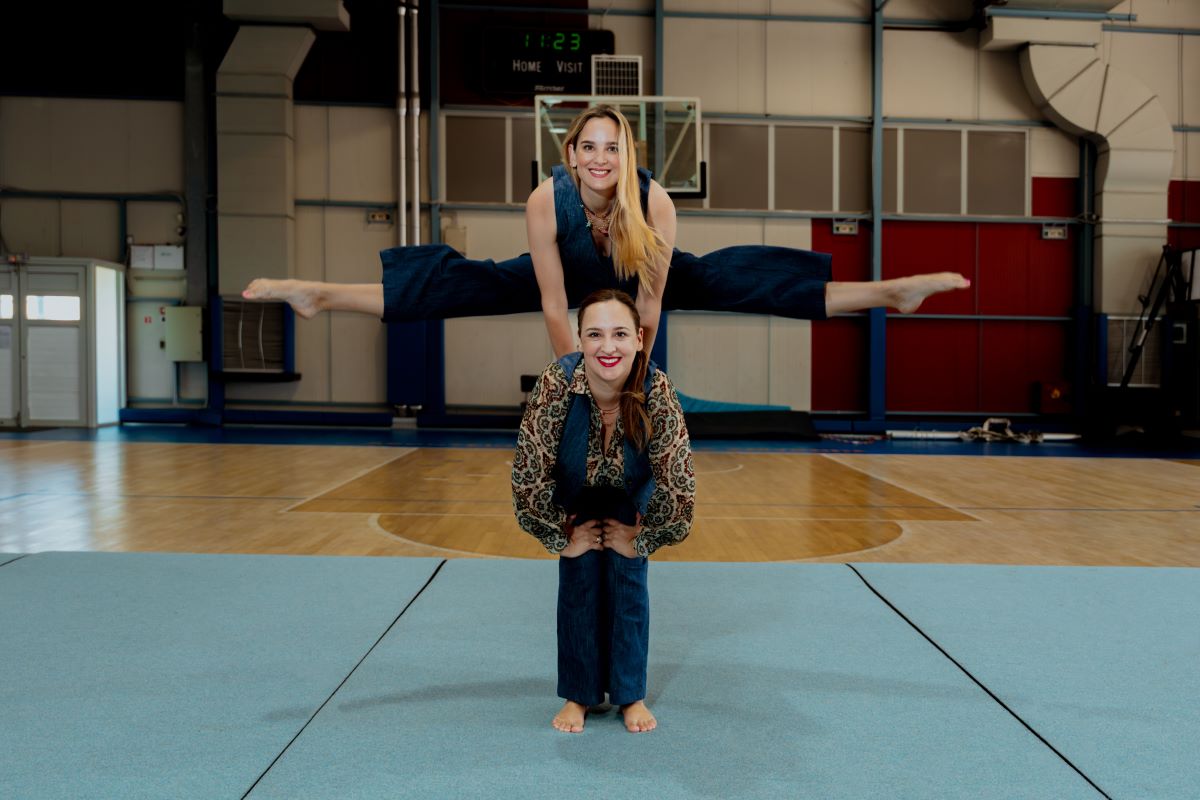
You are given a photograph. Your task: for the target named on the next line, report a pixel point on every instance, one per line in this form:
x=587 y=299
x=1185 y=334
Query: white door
x=54 y=349
x=10 y=347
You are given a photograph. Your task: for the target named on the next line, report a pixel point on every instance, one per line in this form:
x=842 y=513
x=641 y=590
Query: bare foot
x=907 y=294
x=303 y=296
x=638 y=718
x=570 y=719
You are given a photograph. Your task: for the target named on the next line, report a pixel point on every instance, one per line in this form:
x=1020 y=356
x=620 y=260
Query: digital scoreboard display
x=539 y=61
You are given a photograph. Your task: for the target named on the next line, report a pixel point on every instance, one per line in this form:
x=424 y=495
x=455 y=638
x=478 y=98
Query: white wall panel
x=362 y=149
x=702 y=235
x=1152 y=60
x=818 y=69
x=312 y=152
x=930 y=74
x=490 y=234
x=91 y=228
x=1053 y=154
x=634 y=37
x=1002 y=92
x=720 y=61
x=357 y=342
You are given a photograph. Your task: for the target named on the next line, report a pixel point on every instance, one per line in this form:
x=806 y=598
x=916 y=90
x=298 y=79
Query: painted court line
x=335 y=486
x=275 y=760
x=979 y=683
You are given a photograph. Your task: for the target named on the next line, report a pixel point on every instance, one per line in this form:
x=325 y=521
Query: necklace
x=609 y=413
x=598 y=222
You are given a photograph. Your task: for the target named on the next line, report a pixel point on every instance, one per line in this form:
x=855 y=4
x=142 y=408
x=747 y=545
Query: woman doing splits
x=603 y=477
x=600 y=222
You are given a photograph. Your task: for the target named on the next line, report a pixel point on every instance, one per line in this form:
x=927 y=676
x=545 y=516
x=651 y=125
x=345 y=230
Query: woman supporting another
x=599 y=222
x=603 y=477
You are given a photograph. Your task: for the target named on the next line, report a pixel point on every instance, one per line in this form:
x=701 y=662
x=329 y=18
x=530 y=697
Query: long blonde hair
x=638 y=249
x=634 y=417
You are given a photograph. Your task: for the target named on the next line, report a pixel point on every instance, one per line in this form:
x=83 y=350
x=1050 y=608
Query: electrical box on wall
x=184 y=338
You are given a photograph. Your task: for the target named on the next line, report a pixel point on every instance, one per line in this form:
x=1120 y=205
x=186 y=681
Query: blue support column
x=877 y=318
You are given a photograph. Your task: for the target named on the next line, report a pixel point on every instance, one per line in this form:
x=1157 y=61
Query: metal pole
x=877 y=341
x=414 y=106
x=401 y=132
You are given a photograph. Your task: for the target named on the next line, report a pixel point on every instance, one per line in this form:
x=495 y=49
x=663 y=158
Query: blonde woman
x=600 y=222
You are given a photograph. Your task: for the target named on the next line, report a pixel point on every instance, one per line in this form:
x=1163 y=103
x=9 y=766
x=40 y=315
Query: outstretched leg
x=309 y=298
x=903 y=294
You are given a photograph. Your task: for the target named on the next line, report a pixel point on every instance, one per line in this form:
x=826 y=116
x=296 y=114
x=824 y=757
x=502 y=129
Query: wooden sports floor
x=444 y=502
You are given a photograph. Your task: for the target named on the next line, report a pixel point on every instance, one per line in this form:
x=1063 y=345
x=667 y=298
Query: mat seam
x=979 y=683
x=14 y=560
x=338 y=688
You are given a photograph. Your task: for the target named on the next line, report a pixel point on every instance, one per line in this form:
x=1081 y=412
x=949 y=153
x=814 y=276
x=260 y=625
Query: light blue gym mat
x=1103 y=662
x=170 y=676
x=6 y=558
x=769 y=680
x=189 y=676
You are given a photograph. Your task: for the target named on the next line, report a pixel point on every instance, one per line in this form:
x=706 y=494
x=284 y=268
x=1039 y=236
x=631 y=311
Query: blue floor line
x=370 y=649
x=980 y=684
x=387 y=437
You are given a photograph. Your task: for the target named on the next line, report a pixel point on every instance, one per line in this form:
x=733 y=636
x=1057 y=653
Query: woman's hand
x=619 y=537
x=581 y=538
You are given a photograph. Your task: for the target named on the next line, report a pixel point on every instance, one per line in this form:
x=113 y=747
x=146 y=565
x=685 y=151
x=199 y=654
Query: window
x=6 y=306
x=52 y=308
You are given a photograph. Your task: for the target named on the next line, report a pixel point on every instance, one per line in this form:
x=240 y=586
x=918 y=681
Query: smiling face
x=610 y=339
x=596 y=156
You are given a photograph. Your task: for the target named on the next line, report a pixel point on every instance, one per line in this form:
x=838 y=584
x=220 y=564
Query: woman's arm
x=668 y=518
x=533 y=462
x=541 y=227
x=661 y=217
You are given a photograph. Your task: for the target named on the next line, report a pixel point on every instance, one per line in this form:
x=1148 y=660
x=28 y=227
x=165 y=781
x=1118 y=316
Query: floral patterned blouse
x=668 y=517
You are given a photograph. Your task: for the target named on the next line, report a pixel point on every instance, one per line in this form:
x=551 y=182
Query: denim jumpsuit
x=603 y=597
x=427 y=282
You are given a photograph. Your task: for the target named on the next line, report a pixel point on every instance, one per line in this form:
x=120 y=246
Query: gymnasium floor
x=1034 y=635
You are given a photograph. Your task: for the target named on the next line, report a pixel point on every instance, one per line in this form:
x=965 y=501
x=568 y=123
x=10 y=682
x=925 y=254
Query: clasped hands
x=601 y=534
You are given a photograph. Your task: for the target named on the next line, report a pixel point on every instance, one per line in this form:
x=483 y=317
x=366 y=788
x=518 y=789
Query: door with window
x=53 y=357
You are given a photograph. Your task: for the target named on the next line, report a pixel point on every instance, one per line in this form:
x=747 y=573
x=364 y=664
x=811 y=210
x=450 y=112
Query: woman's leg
x=629 y=608
x=903 y=294
x=425 y=282
x=580 y=682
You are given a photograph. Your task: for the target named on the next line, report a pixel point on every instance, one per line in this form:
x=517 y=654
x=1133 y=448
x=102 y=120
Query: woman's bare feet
x=570 y=719
x=638 y=718
x=305 y=297
x=907 y=294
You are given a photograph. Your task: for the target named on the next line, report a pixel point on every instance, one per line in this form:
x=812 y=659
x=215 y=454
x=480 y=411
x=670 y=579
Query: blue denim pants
x=603 y=628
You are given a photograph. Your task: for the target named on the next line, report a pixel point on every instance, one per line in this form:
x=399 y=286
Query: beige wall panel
x=1193 y=157
x=32 y=226
x=523 y=154
x=474 y=158
x=25 y=153
x=720 y=356
x=719 y=61
x=352 y=247
x=155 y=146
x=153 y=223
x=362 y=149
x=1053 y=154
x=790 y=363
x=310 y=244
x=818 y=69
x=1179 y=167
x=485 y=357
x=255 y=115
x=255 y=174
x=311 y=152
x=1191 y=83
x=634 y=37
x=788 y=233
x=833 y=8
x=91 y=229
x=490 y=234
x=1161 y=13
x=930 y=74
x=1002 y=92
x=254 y=247
x=719 y=6
x=1152 y=60
x=89 y=142
x=631 y=5
x=702 y=235
x=358 y=359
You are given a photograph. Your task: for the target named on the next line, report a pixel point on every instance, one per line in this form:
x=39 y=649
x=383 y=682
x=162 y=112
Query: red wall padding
x=1183 y=205
x=958 y=365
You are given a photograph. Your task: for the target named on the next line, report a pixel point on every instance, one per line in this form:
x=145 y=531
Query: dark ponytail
x=634 y=417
